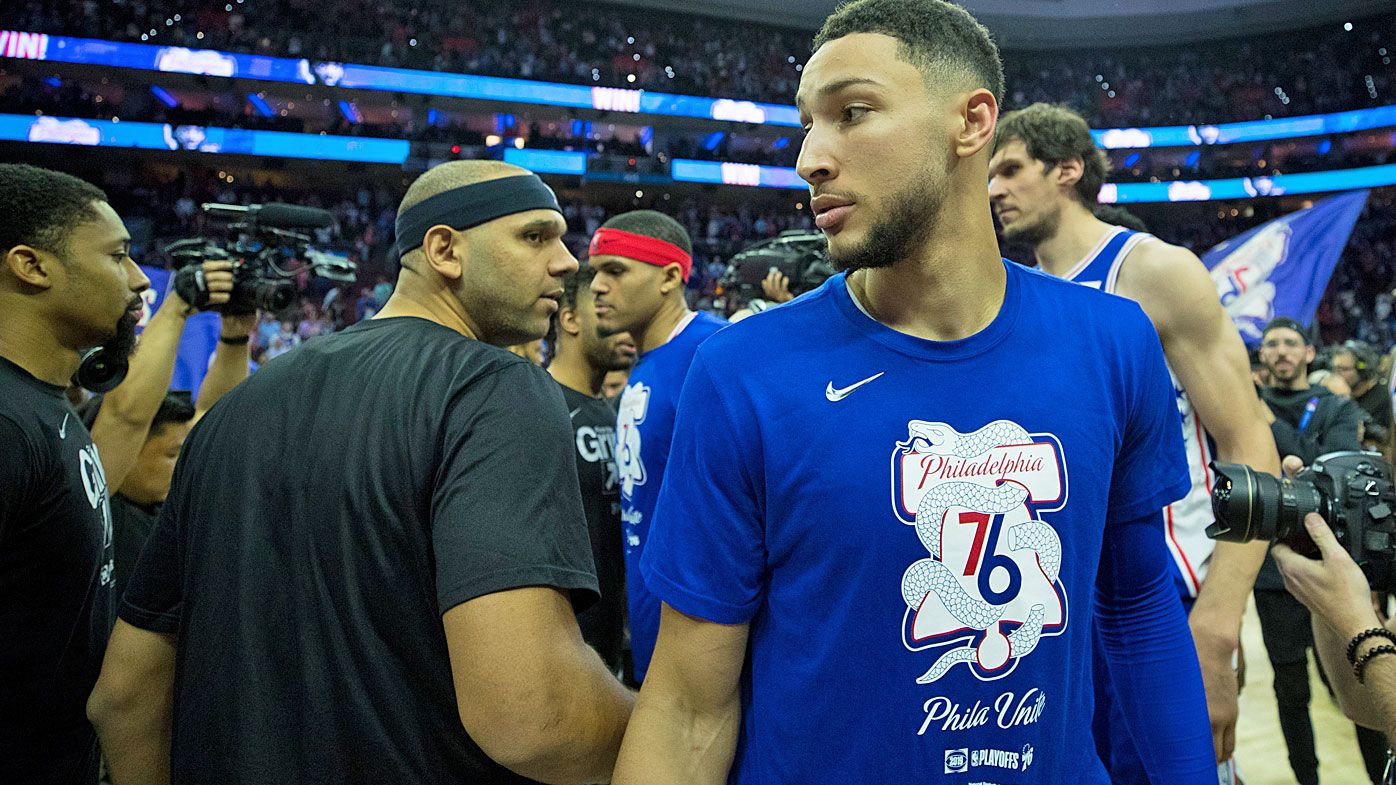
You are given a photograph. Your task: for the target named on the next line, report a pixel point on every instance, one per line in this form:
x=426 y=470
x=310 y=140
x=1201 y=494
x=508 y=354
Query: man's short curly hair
x=40 y=207
x=1054 y=133
x=939 y=38
x=652 y=223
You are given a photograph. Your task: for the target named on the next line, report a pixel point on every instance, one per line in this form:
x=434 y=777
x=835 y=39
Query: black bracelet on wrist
x=241 y=341
x=1361 y=664
x=1375 y=632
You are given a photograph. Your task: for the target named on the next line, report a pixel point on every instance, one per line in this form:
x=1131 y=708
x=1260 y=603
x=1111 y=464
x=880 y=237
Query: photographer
x=1355 y=647
x=1308 y=422
x=67 y=283
x=139 y=427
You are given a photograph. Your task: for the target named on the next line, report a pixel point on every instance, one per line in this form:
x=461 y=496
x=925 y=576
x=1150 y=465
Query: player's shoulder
x=1154 y=260
x=1081 y=303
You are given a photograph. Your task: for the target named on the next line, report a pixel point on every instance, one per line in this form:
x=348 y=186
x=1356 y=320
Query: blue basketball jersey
x=912 y=530
x=1186 y=520
x=644 y=426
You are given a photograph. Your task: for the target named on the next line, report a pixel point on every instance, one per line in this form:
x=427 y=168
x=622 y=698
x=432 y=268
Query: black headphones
x=99 y=373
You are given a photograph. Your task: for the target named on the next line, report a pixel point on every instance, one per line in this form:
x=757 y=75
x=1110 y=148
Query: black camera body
x=261 y=242
x=1353 y=491
x=801 y=256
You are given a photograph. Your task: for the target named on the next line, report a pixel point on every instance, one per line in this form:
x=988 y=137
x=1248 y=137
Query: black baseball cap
x=1288 y=324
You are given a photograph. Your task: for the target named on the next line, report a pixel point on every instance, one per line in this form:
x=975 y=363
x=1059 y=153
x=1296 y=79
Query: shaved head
x=449 y=176
x=455 y=174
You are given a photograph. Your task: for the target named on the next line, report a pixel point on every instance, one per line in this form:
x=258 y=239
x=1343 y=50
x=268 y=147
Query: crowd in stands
x=1358 y=303
x=1298 y=72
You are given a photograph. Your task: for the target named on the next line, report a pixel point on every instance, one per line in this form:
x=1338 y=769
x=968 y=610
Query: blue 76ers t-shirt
x=644 y=427
x=912 y=529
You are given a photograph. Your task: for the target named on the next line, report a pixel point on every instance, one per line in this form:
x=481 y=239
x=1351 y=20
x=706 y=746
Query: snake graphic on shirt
x=933 y=576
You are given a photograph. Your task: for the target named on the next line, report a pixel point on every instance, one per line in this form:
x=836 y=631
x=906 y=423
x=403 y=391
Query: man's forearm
x=601 y=709
x=671 y=744
x=229 y=366
x=136 y=744
x=1372 y=704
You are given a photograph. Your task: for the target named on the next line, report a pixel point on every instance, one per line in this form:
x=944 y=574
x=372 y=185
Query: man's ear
x=673 y=278
x=978 y=122
x=1070 y=171
x=1309 y=354
x=32 y=267
x=567 y=321
x=444 y=250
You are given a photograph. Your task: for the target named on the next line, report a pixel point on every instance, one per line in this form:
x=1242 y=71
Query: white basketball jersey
x=1186 y=520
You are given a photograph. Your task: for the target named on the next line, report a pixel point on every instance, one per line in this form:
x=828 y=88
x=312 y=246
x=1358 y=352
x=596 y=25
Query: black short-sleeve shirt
x=321 y=520
x=56 y=603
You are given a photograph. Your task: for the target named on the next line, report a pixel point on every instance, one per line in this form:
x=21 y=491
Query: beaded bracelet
x=1375 y=632
x=1361 y=664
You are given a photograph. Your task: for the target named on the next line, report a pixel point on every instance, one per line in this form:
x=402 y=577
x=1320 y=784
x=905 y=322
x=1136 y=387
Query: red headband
x=641 y=248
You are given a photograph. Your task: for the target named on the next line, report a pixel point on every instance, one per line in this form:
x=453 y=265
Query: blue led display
x=159 y=136
x=547 y=161
x=39 y=46
x=685 y=170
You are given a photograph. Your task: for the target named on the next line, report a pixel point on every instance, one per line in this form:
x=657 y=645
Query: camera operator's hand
x=777 y=287
x=201 y=287
x=1332 y=587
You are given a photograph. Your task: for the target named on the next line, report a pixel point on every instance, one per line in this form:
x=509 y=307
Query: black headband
x=471 y=205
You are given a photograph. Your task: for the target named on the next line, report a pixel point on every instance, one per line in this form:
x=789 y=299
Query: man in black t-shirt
x=363 y=570
x=581 y=358
x=67 y=282
x=1308 y=422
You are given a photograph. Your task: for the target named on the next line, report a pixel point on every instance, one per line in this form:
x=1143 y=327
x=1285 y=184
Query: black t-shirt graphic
x=321 y=520
x=56 y=601
x=594 y=432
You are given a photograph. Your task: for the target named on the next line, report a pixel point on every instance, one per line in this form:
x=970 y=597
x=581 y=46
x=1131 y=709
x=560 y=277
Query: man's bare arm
x=530 y=692
x=685 y=727
x=123 y=423
x=132 y=706
x=1335 y=591
x=230 y=362
x=1206 y=353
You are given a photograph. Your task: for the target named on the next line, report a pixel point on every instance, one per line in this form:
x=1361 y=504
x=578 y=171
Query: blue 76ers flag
x=1281 y=268
x=197 y=344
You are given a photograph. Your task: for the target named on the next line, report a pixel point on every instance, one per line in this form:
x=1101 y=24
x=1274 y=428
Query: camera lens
x=274 y=296
x=1251 y=505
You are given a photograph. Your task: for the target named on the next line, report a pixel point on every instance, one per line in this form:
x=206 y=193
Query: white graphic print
x=990 y=583
x=94 y=483
x=835 y=394
x=634 y=403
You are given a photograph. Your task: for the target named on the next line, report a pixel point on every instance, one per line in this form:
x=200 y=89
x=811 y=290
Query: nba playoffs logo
x=1243 y=278
x=989 y=588
x=634 y=403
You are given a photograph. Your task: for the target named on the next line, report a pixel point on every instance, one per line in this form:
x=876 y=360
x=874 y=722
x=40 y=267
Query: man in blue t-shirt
x=642 y=260
x=899 y=510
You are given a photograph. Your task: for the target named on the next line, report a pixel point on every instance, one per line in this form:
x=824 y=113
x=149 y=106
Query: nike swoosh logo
x=63 y=429
x=836 y=394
